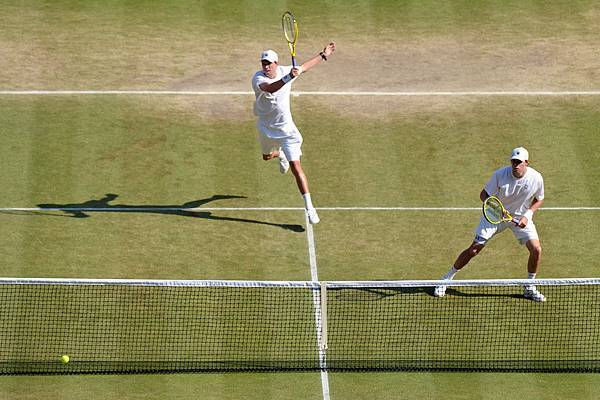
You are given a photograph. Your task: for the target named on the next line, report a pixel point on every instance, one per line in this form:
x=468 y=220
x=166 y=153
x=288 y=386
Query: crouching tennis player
x=521 y=190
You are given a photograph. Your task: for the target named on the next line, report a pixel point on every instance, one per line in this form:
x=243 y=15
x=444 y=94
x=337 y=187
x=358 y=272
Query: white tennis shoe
x=284 y=164
x=313 y=217
x=439 y=291
x=532 y=293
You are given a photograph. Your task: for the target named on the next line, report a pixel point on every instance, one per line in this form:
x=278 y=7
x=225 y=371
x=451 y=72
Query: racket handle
x=293 y=61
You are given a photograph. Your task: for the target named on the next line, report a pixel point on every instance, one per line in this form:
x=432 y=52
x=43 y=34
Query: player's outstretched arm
x=295 y=72
x=322 y=56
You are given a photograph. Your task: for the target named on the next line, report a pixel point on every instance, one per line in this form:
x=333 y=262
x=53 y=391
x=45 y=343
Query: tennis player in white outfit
x=278 y=135
x=521 y=190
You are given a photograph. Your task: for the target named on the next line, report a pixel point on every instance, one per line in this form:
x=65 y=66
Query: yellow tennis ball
x=65 y=359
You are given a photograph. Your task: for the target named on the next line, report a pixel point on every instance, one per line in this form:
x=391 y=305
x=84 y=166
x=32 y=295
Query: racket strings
x=289 y=28
x=495 y=211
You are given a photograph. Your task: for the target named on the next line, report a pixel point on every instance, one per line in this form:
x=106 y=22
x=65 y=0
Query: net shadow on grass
x=391 y=292
x=458 y=293
x=188 y=209
x=379 y=293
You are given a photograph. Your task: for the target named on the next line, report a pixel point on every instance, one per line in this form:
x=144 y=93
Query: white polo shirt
x=516 y=194
x=273 y=109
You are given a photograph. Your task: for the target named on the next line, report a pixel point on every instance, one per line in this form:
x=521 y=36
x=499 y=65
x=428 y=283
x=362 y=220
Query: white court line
x=307 y=93
x=314 y=276
x=125 y=92
x=312 y=254
x=200 y=209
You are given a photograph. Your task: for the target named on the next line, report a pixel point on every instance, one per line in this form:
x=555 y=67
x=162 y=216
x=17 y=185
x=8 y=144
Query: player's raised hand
x=329 y=49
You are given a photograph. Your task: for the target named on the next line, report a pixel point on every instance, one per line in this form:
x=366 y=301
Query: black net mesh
x=135 y=329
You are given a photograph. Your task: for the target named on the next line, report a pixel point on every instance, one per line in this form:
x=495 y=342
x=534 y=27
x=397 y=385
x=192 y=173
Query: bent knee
x=475 y=249
x=295 y=166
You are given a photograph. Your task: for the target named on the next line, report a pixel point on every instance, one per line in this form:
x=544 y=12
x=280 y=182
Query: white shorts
x=290 y=145
x=485 y=231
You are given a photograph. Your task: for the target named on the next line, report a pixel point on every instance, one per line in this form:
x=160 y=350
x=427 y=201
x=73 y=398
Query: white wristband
x=287 y=78
x=528 y=214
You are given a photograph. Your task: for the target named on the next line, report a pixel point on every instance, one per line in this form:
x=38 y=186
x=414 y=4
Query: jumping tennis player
x=278 y=135
x=521 y=190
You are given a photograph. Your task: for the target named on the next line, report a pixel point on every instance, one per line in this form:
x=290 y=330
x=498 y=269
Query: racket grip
x=293 y=61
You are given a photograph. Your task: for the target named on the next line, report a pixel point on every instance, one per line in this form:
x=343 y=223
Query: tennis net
x=135 y=326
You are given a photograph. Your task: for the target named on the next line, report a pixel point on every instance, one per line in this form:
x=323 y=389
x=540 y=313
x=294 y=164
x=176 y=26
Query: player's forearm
x=535 y=205
x=275 y=86
x=322 y=56
x=312 y=62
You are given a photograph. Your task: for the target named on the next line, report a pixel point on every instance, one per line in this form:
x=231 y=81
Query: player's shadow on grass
x=379 y=293
x=189 y=209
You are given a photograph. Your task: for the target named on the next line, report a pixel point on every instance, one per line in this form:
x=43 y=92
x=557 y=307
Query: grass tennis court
x=158 y=151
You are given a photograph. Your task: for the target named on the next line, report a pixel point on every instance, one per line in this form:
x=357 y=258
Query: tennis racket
x=290 y=30
x=494 y=211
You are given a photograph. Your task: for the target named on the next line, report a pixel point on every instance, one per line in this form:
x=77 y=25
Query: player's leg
x=535 y=255
x=463 y=259
x=466 y=255
x=271 y=149
x=302 y=183
x=292 y=147
x=533 y=265
x=300 y=176
x=284 y=164
x=268 y=146
x=483 y=233
x=530 y=238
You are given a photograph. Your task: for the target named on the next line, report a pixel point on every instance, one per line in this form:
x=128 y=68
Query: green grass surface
x=359 y=151
x=178 y=387
x=214 y=45
x=136 y=164
x=144 y=157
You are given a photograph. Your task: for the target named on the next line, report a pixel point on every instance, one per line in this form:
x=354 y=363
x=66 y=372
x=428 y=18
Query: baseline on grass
x=152 y=326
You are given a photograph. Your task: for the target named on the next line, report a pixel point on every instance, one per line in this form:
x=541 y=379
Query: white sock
x=450 y=274
x=307 y=201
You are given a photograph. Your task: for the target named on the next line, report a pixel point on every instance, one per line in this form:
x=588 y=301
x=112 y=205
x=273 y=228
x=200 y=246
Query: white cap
x=269 y=55
x=520 y=153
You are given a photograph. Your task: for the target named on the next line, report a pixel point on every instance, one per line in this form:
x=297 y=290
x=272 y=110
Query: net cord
x=300 y=284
